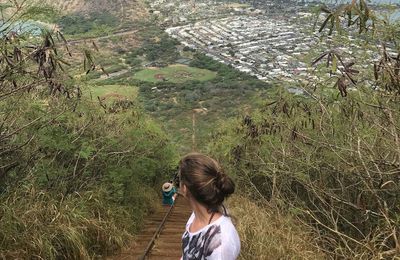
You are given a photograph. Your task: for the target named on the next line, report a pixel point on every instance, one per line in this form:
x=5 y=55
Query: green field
x=110 y=93
x=175 y=73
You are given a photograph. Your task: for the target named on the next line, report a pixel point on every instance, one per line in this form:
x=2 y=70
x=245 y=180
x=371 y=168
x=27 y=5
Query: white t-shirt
x=216 y=241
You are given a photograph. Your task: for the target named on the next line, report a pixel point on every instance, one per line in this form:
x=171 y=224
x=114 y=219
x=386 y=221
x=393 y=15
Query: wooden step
x=168 y=245
x=156 y=257
x=168 y=253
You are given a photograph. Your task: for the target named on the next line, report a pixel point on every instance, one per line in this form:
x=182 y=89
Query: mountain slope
x=126 y=9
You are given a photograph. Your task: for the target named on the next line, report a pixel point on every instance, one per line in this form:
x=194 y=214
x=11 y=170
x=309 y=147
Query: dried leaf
x=325 y=22
x=319 y=58
x=328 y=60
x=104 y=71
x=62 y=37
x=352 y=71
x=342 y=87
x=386 y=183
x=349 y=19
x=95 y=46
x=61 y=67
x=325 y=10
x=350 y=78
x=332 y=25
x=64 y=62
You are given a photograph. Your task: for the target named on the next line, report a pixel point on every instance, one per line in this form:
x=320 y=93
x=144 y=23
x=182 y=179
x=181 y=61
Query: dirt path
x=168 y=244
x=111 y=75
x=122 y=33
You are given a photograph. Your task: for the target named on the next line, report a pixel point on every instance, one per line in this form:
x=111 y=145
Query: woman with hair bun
x=209 y=232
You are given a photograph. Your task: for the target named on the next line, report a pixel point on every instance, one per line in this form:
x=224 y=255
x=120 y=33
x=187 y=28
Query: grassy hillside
x=332 y=164
x=77 y=172
x=124 y=9
x=329 y=158
x=83 y=19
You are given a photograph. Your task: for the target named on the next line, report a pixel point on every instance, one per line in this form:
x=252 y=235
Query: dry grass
x=35 y=225
x=267 y=234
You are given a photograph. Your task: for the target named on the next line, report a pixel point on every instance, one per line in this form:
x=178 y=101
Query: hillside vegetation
x=81 y=19
x=332 y=164
x=88 y=134
x=330 y=160
x=77 y=172
x=125 y=9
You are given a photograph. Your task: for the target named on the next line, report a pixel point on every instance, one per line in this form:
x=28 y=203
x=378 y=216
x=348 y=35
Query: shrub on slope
x=75 y=178
x=332 y=163
x=82 y=179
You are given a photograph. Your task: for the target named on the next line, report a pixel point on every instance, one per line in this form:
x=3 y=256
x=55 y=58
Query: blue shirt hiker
x=168 y=193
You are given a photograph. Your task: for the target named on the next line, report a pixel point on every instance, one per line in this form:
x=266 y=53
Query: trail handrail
x=158 y=231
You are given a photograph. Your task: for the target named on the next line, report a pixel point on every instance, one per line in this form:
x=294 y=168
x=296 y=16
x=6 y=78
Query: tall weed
x=333 y=163
x=265 y=233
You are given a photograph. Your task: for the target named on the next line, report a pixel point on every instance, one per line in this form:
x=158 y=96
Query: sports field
x=109 y=93
x=174 y=73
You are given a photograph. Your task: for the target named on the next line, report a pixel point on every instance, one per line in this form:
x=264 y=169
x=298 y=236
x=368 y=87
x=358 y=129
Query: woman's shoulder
x=228 y=230
x=225 y=227
x=227 y=239
x=226 y=223
x=230 y=239
x=226 y=220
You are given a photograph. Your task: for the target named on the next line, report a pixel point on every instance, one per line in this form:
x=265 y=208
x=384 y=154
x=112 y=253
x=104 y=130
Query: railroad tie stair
x=161 y=235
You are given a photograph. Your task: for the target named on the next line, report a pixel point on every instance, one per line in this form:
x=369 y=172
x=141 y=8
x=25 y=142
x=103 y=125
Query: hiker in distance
x=210 y=233
x=168 y=193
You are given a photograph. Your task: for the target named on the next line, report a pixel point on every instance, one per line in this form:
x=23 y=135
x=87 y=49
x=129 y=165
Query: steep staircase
x=167 y=244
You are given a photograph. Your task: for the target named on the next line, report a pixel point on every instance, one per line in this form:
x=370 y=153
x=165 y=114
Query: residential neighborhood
x=260 y=41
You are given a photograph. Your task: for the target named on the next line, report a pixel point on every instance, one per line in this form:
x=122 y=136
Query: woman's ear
x=184 y=190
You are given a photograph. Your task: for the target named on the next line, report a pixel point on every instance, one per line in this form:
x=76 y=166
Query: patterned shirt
x=216 y=241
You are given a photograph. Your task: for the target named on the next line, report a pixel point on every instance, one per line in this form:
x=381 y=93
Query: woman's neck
x=202 y=216
x=200 y=212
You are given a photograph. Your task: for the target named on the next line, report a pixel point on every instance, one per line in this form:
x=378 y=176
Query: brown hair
x=205 y=180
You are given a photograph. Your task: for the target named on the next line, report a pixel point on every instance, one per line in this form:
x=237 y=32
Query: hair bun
x=205 y=180
x=225 y=184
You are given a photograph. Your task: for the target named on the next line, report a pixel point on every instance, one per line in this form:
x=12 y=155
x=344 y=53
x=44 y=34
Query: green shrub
x=83 y=182
x=43 y=13
x=331 y=162
x=76 y=178
x=78 y=24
